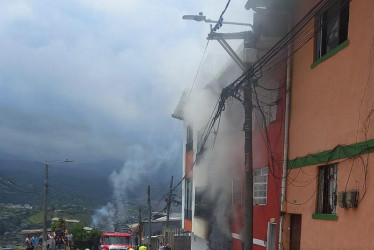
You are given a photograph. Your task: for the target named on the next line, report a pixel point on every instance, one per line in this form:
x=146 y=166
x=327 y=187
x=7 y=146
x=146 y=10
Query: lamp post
x=45 y=203
x=249 y=58
x=201 y=17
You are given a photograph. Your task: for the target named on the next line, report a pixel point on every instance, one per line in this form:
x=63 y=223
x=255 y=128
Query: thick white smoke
x=223 y=159
x=129 y=187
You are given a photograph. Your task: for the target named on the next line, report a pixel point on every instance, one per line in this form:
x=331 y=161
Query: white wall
x=198 y=243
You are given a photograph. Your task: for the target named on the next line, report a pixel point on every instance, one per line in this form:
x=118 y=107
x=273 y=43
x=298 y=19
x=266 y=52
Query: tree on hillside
x=78 y=232
x=61 y=223
x=85 y=239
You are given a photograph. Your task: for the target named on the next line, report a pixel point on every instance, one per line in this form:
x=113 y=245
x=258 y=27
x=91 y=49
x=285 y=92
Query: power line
x=220 y=19
x=8 y=184
x=298 y=35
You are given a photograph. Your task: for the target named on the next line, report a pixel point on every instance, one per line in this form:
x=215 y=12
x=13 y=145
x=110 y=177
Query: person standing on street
x=69 y=239
x=28 y=243
x=167 y=247
x=60 y=241
x=160 y=246
x=52 y=241
x=35 y=241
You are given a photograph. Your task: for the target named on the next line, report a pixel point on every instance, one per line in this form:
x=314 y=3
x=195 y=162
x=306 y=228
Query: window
x=189 y=143
x=271 y=239
x=260 y=186
x=332 y=27
x=236 y=192
x=327 y=180
x=203 y=205
x=188 y=199
x=111 y=240
x=266 y=104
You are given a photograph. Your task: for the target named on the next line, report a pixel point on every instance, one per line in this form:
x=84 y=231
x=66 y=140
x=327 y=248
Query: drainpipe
x=286 y=133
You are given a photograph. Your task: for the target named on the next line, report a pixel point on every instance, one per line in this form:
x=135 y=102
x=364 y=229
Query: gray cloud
x=92 y=79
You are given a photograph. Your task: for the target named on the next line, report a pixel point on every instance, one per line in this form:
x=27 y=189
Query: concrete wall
x=198 y=243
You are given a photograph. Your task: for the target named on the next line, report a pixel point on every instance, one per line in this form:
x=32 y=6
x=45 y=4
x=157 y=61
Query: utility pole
x=249 y=58
x=169 y=202
x=140 y=227
x=45 y=211
x=45 y=205
x=150 y=215
x=248 y=213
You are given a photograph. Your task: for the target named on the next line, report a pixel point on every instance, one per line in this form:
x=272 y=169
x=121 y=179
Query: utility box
x=341 y=199
x=351 y=199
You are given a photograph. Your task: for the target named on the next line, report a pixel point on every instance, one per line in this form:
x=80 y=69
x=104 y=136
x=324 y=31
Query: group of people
x=56 y=240
x=33 y=242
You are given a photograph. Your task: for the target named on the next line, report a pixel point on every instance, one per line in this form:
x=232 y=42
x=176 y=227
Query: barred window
x=188 y=199
x=332 y=27
x=189 y=142
x=260 y=186
x=327 y=198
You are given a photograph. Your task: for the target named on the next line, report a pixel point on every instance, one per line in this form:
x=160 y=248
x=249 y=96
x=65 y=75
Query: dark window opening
x=188 y=199
x=203 y=205
x=111 y=240
x=332 y=27
x=327 y=189
x=189 y=143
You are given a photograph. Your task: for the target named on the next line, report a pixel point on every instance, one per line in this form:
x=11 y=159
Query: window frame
x=325 y=203
x=203 y=205
x=262 y=173
x=189 y=138
x=322 y=22
x=188 y=199
x=237 y=192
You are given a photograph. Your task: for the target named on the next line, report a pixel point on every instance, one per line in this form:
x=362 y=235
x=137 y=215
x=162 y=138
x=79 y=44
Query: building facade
x=328 y=197
x=205 y=201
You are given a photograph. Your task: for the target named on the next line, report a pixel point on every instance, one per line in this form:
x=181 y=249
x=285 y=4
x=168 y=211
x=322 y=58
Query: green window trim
x=324 y=216
x=339 y=152
x=330 y=54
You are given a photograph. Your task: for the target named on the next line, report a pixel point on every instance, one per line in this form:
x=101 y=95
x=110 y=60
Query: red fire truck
x=115 y=241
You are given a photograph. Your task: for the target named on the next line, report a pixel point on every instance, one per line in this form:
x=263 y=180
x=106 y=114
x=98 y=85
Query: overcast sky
x=97 y=79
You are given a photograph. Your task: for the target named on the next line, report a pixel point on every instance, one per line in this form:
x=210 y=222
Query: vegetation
x=85 y=239
x=37 y=219
x=61 y=223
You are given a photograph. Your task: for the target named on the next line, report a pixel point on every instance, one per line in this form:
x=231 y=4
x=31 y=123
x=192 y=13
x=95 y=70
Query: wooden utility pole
x=150 y=215
x=169 y=202
x=140 y=227
x=248 y=213
x=45 y=208
x=248 y=107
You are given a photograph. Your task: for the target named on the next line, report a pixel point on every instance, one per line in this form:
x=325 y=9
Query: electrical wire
x=220 y=19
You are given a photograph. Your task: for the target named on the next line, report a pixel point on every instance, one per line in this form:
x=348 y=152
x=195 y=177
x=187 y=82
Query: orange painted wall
x=189 y=164
x=188 y=225
x=332 y=105
x=325 y=100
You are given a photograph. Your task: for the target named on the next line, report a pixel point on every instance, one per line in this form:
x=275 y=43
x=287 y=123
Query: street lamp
x=201 y=17
x=249 y=58
x=46 y=199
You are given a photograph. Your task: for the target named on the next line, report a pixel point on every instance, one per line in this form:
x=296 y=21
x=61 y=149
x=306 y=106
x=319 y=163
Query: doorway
x=295 y=231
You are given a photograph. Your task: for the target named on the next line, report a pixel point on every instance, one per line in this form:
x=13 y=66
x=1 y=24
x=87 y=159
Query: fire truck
x=115 y=241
